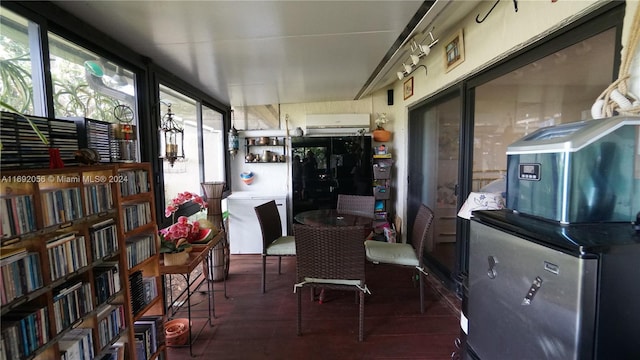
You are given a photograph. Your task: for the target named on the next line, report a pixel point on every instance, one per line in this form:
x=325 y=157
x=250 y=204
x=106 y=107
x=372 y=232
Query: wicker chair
x=273 y=242
x=330 y=257
x=380 y=252
x=357 y=205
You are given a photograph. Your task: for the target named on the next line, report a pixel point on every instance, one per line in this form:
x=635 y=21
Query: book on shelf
x=106 y=280
x=143 y=333
x=104 y=239
x=136 y=215
x=140 y=248
x=67 y=254
x=27 y=328
x=110 y=323
x=150 y=289
x=137 y=182
x=17 y=215
x=136 y=291
x=21 y=274
x=156 y=324
x=141 y=353
x=62 y=205
x=71 y=303
x=77 y=344
x=98 y=198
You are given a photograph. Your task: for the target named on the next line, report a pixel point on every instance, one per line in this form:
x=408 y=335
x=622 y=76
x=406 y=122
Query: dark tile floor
x=252 y=325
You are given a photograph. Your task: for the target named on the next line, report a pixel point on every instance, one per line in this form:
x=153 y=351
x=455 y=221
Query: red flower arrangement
x=181 y=234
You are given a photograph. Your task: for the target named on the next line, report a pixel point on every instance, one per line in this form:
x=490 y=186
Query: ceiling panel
x=258 y=52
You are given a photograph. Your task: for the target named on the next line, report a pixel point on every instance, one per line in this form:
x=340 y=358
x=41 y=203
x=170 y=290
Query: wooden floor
x=251 y=325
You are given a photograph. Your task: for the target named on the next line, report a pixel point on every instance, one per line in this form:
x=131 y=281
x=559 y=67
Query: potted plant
x=380 y=134
x=175 y=251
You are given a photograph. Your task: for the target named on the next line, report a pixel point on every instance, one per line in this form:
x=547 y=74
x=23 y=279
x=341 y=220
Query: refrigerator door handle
x=491 y=272
x=535 y=286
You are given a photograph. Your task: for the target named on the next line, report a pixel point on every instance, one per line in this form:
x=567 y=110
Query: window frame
x=147 y=77
x=162 y=77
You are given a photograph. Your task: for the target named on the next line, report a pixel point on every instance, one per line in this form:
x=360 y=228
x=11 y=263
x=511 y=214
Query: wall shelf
x=265 y=149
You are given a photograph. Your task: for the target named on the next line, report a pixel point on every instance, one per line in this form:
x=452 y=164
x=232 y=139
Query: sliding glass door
x=434 y=130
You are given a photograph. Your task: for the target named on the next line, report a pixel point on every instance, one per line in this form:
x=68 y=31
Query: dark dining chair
x=330 y=257
x=361 y=205
x=380 y=252
x=273 y=242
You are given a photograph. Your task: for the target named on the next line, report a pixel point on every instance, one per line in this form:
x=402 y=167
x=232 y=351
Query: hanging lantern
x=173 y=136
x=234 y=138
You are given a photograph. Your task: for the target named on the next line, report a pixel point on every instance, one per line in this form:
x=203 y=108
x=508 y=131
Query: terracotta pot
x=381 y=135
x=177 y=332
x=171 y=259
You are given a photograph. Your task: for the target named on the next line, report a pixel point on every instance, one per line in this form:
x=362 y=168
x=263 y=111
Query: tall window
x=19 y=67
x=184 y=174
x=87 y=85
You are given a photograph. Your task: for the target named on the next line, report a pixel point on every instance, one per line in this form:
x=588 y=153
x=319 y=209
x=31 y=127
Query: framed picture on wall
x=408 y=88
x=454 y=51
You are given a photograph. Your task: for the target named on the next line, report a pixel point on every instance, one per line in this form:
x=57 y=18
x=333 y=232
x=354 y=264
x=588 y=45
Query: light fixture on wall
x=418 y=51
x=403 y=74
x=173 y=134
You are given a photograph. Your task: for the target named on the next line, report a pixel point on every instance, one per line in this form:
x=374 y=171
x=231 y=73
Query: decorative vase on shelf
x=381 y=135
x=179 y=258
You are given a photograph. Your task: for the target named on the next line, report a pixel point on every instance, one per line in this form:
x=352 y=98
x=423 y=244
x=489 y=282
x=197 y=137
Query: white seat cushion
x=334 y=281
x=390 y=253
x=284 y=245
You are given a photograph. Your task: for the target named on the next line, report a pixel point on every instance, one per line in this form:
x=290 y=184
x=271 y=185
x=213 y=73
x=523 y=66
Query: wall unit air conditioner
x=343 y=124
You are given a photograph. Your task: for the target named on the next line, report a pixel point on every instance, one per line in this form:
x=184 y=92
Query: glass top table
x=331 y=217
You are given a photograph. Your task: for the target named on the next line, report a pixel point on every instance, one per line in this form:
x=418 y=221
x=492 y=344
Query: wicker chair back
x=331 y=257
x=329 y=252
x=361 y=205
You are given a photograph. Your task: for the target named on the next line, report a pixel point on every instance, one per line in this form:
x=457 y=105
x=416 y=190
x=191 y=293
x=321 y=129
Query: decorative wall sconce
x=173 y=134
x=418 y=51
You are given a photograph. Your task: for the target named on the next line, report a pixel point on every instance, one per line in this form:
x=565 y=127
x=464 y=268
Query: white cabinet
x=245 y=236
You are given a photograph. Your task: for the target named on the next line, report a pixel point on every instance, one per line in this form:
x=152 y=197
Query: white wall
x=269 y=177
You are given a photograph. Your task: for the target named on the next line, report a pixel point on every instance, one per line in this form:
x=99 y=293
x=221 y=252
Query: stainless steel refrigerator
x=543 y=290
